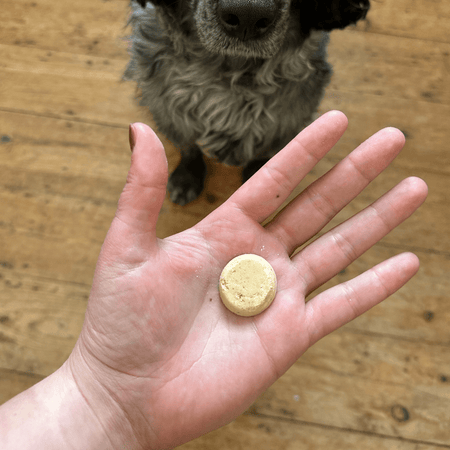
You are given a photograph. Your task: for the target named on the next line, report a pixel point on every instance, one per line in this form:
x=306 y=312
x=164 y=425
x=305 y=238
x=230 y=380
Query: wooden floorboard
x=269 y=433
x=381 y=382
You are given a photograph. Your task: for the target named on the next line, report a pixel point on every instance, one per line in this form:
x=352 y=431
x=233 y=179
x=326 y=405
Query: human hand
x=158 y=342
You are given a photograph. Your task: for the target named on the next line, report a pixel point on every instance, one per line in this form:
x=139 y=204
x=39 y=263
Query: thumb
x=145 y=189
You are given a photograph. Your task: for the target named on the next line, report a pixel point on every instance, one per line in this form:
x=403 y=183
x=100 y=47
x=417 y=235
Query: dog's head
x=258 y=28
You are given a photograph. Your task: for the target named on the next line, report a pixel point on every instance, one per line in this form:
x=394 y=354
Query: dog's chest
x=216 y=100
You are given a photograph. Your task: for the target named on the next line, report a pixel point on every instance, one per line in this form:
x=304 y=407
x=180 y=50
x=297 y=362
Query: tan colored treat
x=247 y=285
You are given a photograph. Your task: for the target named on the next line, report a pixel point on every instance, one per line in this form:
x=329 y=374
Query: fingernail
x=131 y=136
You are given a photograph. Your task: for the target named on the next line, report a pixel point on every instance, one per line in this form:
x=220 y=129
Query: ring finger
x=335 y=250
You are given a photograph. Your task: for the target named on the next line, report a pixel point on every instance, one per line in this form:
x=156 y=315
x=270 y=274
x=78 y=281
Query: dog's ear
x=332 y=14
x=170 y=4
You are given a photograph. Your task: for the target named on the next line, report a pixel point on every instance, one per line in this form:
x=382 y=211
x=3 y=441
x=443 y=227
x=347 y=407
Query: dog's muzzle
x=244 y=19
x=249 y=28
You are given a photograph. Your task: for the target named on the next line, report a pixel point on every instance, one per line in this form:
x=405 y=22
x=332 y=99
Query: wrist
x=111 y=428
x=55 y=413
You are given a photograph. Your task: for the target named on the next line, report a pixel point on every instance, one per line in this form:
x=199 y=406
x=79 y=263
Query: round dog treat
x=247 y=285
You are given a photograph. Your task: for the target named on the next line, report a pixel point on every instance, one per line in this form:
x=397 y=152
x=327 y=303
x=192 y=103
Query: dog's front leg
x=252 y=167
x=187 y=181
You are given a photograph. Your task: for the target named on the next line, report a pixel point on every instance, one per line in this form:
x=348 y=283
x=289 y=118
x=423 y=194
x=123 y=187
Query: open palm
x=156 y=335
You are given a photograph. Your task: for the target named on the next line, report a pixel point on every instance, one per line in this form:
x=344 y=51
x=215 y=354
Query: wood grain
x=268 y=433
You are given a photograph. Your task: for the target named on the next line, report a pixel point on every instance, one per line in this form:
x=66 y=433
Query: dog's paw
x=185 y=186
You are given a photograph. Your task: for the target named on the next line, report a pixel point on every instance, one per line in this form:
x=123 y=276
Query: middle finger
x=310 y=211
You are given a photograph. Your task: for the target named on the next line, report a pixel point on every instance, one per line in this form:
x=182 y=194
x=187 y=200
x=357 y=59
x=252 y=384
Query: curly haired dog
x=235 y=80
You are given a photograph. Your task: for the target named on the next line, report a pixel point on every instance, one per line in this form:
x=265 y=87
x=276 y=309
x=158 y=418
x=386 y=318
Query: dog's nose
x=246 y=19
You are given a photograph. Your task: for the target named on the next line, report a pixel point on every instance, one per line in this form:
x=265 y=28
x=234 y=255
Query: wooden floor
x=383 y=381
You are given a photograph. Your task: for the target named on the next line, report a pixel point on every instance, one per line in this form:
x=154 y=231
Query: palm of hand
x=155 y=322
x=178 y=336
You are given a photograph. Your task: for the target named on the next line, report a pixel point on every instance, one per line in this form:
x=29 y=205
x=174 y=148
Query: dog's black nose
x=246 y=19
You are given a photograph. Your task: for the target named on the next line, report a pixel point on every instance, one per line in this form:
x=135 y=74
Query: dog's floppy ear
x=332 y=14
x=170 y=4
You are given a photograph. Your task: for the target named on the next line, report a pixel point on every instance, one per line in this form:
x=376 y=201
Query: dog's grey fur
x=238 y=101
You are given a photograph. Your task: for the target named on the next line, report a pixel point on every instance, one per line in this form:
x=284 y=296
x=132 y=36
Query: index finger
x=268 y=188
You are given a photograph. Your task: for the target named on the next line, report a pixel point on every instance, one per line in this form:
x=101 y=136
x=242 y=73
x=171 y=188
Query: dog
x=234 y=80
